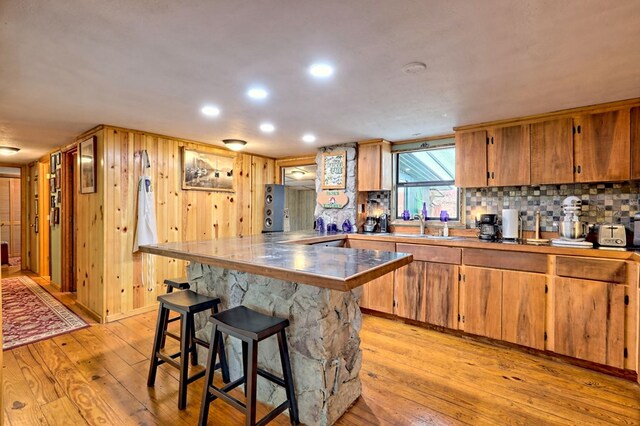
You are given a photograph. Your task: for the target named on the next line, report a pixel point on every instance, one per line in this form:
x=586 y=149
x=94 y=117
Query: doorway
x=299 y=196
x=67 y=219
x=10 y=217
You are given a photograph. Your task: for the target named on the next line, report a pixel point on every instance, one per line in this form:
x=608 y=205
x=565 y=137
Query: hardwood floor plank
x=92 y=407
x=62 y=412
x=21 y=405
x=41 y=382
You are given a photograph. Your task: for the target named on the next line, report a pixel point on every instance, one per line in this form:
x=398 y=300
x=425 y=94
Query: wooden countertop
x=269 y=255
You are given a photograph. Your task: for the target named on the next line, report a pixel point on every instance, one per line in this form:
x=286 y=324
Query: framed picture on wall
x=334 y=170
x=206 y=171
x=87 y=160
x=58 y=178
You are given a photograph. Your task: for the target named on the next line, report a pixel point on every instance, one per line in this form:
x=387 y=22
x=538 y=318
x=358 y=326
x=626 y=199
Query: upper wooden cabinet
x=471 y=159
x=374 y=166
x=509 y=156
x=552 y=151
x=635 y=143
x=602 y=146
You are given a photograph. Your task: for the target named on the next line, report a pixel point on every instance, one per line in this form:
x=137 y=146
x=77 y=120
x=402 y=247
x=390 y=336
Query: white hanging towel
x=146 y=232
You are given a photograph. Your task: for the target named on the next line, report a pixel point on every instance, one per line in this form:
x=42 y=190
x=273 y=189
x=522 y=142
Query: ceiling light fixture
x=210 y=111
x=309 y=138
x=297 y=174
x=8 y=150
x=321 y=70
x=257 y=93
x=414 y=68
x=234 y=144
x=267 y=127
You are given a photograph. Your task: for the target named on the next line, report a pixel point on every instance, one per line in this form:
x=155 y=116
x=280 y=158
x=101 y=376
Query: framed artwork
x=334 y=170
x=207 y=172
x=52 y=164
x=87 y=160
x=56 y=216
x=58 y=178
x=52 y=201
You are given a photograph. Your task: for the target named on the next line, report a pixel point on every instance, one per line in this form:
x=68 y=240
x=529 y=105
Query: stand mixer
x=572 y=230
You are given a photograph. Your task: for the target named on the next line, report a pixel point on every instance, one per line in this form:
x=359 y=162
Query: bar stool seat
x=251 y=327
x=181 y=283
x=186 y=303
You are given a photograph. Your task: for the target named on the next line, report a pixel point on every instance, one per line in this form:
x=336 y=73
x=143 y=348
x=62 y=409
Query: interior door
x=34 y=210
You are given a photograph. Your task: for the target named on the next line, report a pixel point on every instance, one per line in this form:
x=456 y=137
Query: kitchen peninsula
x=311 y=285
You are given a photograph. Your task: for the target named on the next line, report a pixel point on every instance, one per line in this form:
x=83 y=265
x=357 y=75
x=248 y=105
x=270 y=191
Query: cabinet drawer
x=432 y=253
x=516 y=261
x=591 y=269
x=372 y=245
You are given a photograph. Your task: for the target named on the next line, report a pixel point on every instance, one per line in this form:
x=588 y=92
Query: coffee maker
x=488 y=225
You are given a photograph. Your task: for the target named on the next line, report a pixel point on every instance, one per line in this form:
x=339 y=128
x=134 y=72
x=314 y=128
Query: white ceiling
x=305 y=182
x=68 y=65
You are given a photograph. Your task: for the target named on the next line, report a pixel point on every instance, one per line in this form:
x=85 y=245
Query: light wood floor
x=410 y=375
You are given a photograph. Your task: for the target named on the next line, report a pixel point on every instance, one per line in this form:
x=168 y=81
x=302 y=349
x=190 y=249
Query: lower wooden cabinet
x=589 y=320
x=441 y=294
x=377 y=295
x=523 y=308
x=481 y=301
x=409 y=292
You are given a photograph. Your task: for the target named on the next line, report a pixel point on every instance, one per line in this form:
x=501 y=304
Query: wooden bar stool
x=251 y=327
x=186 y=303
x=181 y=283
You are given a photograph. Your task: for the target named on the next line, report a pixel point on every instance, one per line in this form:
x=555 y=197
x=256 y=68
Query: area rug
x=14 y=261
x=30 y=314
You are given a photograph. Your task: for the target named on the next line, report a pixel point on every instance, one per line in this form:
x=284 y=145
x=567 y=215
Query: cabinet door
x=509 y=156
x=589 y=320
x=523 y=308
x=635 y=143
x=378 y=294
x=409 y=291
x=602 y=146
x=374 y=167
x=552 y=151
x=481 y=291
x=471 y=159
x=441 y=294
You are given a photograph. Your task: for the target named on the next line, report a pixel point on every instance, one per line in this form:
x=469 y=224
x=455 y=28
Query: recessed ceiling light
x=309 y=138
x=234 y=144
x=257 y=93
x=416 y=134
x=210 y=111
x=445 y=115
x=414 y=68
x=267 y=127
x=8 y=150
x=321 y=70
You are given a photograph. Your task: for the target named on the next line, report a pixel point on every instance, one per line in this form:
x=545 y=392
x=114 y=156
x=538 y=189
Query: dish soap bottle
x=444 y=217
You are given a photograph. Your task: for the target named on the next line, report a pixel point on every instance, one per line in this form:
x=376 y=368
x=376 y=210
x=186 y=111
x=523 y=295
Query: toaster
x=612 y=235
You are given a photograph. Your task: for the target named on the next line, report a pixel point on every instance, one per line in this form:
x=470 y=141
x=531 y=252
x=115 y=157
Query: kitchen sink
x=438 y=237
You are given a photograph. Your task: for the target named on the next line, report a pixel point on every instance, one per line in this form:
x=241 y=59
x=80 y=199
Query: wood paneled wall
x=108 y=262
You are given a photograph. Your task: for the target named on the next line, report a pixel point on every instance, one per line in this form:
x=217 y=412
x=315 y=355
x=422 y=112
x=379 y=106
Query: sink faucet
x=422 y=222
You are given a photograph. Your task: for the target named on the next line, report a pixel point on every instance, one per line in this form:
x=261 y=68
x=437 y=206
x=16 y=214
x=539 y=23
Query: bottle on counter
x=636 y=229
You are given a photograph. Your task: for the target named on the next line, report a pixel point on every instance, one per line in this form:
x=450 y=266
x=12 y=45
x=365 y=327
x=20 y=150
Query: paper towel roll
x=510 y=224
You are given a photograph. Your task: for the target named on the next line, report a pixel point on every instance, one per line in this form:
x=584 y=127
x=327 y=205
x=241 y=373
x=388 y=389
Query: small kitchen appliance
x=510 y=219
x=612 y=235
x=488 y=227
x=370 y=224
x=571 y=229
x=383 y=223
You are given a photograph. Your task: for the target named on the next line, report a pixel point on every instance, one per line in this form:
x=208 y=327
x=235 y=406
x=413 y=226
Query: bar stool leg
x=224 y=366
x=158 y=343
x=251 y=378
x=245 y=350
x=288 y=377
x=208 y=378
x=192 y=343
x=185 y=322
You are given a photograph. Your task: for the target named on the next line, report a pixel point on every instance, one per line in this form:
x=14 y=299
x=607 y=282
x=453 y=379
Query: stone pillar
x=323 y=338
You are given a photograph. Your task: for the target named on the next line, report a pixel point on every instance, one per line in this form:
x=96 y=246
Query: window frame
x=425 y=184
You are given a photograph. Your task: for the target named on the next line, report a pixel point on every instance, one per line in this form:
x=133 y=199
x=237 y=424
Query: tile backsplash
x=382 y=198
x=602 y=202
